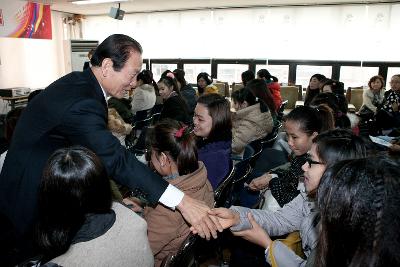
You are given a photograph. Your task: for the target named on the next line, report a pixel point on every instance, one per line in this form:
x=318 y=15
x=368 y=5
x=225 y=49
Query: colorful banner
x=25 y=20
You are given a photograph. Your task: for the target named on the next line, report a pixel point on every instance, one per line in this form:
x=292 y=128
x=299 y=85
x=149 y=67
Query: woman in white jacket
x=144 y=95
x=300 y=214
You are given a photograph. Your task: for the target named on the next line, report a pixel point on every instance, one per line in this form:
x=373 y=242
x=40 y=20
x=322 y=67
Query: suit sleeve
x=85 y=124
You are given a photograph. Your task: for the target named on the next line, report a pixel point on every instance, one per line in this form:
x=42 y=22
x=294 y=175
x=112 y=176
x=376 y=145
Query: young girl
x=313 y=87
x=174 y=156
x=78 y=224
x=213 y=125
x=252 y=119
x=302 y=124
x=359 y=205
x=300 y=214
x=174 y=106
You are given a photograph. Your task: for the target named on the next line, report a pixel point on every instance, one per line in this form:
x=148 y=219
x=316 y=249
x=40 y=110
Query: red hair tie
x=180 y=132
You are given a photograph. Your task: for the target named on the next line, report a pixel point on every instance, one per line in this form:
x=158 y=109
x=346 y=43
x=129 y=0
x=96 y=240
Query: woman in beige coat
x=174 y=156
x=251 y=121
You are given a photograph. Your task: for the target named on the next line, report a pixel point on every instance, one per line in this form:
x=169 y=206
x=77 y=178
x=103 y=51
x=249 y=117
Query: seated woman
x=313 y=87
x=174 y=106
x=247 y=76
x=359 y=206
x=272 y=85
x=300 y=214
x=389 y=116
x=213 y=125
x=252 y=119
x=302 y=124
x=204 y=84
x=332 y=86
x=174 y=156
x=144 y=95
x=187 y=91
x=372 y=97
x=78 y=223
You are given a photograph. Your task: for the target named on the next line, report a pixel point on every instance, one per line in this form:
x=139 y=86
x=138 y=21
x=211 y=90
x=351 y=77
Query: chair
x=290 y=93
x=354 y=96
x=142 y=115
x=281 y=110
x=156 y=109
x=185 y=256
x=223 y=88
x=236 y=86
x=257 y=147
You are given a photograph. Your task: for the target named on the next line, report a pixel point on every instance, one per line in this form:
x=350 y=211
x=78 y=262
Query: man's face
x=117 y=83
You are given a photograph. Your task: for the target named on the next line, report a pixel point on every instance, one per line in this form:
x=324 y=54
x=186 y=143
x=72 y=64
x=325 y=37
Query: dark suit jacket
x=70 y=111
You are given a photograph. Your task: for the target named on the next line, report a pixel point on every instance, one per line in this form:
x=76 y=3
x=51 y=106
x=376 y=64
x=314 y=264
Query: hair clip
x=171 y=75
x=180 y=132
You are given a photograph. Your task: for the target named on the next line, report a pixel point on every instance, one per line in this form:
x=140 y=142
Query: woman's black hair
x=263 y=73
x=170 y=82
x=219 y=110
x=312 y=120
x=146 y=76
x=338 y=104
x=310 y=94
x=180 y=77
x=260 y=91
x=206 y=77
x=243 y=94
x=337 y=87
x=74 y=184
x=359 y=205
x=247 y=76
x=175 y=138
x=117 y=47
x=336 y=145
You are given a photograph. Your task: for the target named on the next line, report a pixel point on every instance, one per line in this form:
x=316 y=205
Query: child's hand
x=256 y=234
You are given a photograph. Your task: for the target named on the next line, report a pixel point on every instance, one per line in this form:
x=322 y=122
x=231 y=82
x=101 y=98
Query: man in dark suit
x=73 y=111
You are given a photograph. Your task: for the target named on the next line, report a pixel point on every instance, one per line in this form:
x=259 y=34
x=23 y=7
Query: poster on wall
x=21 y=19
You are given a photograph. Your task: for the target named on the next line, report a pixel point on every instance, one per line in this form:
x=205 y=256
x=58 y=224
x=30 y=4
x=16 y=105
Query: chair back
x=281 y=110
x=257 y=147
x=236 y=86
x=291 y=93
x=142 y=115
x=156 y=118
x=355 y=96
x=185 y=256
x=157 y=109
x=223 y=88
x=223 y=191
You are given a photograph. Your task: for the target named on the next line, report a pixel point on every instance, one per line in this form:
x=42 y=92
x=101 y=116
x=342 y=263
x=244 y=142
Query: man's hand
x=195 y=213
x=226 y=217
x=261 y=182
x=256 y=234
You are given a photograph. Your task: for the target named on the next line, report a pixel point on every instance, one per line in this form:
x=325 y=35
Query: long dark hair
x=336 y=145
x=181 y=146
x=312 y=120
x=180 y=77
x=259 y=90
x=219 y=110
x=206 y=77
x=117 y=47
x=170 y=82
x=310 y=94
x=359 y=204
x=264 y=74
x=74 y=184
x=146 y=76
x=247 y=76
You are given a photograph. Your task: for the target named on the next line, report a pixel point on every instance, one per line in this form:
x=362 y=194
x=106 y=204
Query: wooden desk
x=15 y=101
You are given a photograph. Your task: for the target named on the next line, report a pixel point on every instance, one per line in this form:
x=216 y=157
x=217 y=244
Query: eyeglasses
x=311 y=162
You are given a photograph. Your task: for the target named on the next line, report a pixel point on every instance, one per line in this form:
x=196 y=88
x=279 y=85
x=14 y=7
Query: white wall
x=348 y=32
x=33 y=63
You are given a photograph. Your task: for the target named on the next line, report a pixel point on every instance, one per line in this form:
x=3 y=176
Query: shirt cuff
x=171 y=197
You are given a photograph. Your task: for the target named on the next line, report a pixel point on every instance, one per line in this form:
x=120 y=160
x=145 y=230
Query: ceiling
x=133 y=6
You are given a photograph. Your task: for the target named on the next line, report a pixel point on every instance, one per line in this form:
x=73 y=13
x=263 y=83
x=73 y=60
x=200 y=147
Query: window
x=158 y=69
x=279 y=71
x=304 y=73
x=192 y=70
x=391 y=71
x=231 y=72
x=357 y=76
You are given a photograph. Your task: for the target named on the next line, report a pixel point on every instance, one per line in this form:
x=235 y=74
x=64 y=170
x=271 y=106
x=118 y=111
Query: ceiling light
x=88 y=2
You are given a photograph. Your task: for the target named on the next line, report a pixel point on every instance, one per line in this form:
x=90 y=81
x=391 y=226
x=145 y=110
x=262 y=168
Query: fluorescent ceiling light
x=88 y=2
